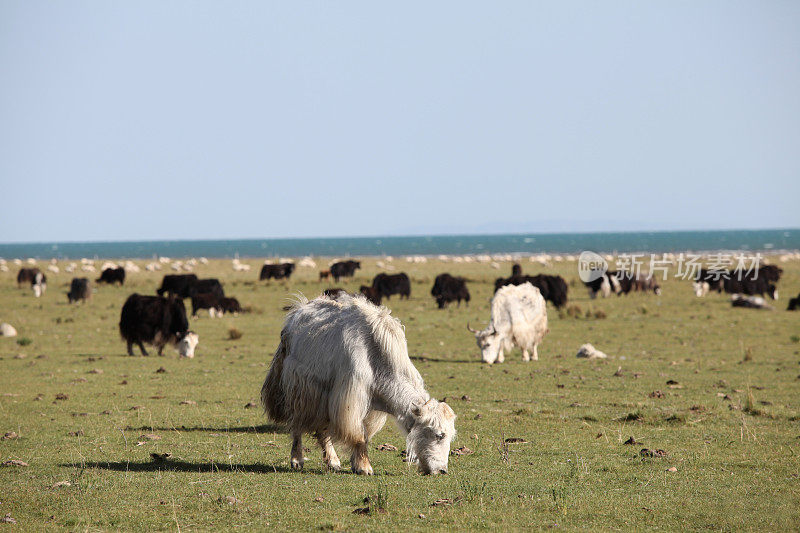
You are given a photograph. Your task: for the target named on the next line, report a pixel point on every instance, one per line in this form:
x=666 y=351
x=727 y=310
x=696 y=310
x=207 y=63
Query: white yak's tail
x=272 y=396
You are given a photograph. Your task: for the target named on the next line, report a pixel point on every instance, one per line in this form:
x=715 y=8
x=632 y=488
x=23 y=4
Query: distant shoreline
x=777 y=241
x=704 y=255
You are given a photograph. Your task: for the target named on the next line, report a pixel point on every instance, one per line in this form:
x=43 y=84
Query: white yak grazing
x=519 y=318
x=342 y=365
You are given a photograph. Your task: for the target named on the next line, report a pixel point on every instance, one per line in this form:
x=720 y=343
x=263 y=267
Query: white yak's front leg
x=500 y=356
x=296 y=460
x=535 y=352
x=359 y=460
x=330 y=460
x=527 y=356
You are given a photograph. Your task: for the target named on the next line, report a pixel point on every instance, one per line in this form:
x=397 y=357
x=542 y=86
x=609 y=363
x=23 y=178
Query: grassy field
x=715 y=387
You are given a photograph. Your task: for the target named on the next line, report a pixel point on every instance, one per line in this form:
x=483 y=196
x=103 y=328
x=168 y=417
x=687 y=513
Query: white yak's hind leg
x=525 y=355
x=296 y=461
x=330 y=460
x=535 y=352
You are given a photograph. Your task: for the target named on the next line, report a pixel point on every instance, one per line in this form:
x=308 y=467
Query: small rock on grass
x=462 y=451
x=188 y=402
x=10 y=435
x=161 y=370
x=7 y=519
x=672 y=469
x=230 y=500
x=631 y=441
x=60 y=484
x=250 y=405
x=587 y=351
x=7 y=330
x=62 y=396
x=150 y=436
x=386 y=447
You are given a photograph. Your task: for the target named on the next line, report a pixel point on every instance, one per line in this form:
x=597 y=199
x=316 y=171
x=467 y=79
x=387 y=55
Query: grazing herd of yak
x=160 y=320
x=342 y=363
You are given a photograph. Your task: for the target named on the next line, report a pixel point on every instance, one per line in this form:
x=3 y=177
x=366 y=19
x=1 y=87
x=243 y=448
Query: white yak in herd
x=341 y=367
x=519 y=318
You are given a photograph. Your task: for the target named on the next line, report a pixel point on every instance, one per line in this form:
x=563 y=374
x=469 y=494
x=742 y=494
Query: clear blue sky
x=148 y=120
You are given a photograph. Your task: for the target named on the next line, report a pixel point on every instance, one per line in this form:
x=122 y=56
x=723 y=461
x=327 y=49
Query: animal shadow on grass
x=175 y=465
x=264 y=428
x=183 y=466
x=424 y=359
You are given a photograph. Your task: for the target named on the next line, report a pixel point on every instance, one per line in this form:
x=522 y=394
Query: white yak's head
x=428 y=440
x=489 y=342
x=188 y=343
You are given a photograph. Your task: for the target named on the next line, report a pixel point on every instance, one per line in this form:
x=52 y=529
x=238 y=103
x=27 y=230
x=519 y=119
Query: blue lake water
x=667 y=241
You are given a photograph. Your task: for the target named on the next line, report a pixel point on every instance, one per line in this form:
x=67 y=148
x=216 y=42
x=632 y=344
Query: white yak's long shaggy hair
x=519 y=318
x=341 y=366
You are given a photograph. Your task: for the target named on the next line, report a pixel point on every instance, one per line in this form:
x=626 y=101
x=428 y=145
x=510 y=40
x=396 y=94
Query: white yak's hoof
x=364 y=471
x=333 y=466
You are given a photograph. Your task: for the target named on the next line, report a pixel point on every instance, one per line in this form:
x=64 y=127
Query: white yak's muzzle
x=187 y=344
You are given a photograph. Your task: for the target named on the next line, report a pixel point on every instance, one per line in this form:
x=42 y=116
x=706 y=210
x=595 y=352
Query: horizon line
x=409 y=235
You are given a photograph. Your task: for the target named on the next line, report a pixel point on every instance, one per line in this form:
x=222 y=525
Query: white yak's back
x=355 y=312
x=518 y=304
x=519 y=318
x=333 y=354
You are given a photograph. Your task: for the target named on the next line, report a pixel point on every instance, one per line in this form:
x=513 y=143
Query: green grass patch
x=541 y=443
